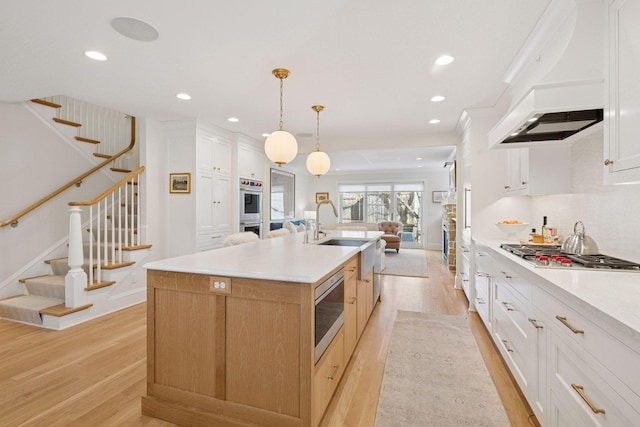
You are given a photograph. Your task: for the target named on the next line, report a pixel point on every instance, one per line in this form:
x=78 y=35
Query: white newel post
x=76 y=279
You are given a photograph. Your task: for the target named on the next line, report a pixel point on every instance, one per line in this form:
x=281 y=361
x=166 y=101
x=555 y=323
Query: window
x=383 y=202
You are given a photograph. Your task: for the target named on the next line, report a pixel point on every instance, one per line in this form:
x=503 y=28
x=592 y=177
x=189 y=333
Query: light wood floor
x=94 y=374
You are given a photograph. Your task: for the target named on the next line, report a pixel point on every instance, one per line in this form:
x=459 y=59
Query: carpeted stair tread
x=27 y=308
x=46 y=286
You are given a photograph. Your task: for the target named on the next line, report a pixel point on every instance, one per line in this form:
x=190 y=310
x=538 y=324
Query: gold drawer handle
x=505 y=346
x=580 y=390
x=506 y=276
x=352 y=269
x=506 y=305
x=353 y=301
x=563 y=320
x=480 y=301
x=534 y=322
x=608 y=162
x=335 y=371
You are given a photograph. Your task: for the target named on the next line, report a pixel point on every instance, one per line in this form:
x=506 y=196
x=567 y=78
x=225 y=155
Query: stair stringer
x=130 y=289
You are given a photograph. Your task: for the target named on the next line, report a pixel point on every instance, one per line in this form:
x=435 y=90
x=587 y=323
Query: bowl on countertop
x=512 y=230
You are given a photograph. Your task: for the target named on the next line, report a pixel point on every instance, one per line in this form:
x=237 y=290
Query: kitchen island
x=230 y=332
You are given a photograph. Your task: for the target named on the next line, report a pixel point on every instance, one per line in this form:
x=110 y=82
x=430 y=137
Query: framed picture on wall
x=180 y=182
x=321 y=197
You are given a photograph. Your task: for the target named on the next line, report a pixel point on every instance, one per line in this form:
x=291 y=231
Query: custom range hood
x=555 y=112
x=556 y=79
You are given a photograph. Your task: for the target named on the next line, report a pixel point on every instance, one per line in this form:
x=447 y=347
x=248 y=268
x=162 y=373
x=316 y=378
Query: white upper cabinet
x=251 y=161
x=214 y=153
x=544 y=169
x=622 y=98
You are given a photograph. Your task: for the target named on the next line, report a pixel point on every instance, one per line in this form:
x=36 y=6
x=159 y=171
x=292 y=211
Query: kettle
x=579 y=243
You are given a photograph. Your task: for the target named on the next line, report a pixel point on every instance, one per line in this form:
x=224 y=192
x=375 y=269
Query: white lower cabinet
x=579 y=395
x=573 y=370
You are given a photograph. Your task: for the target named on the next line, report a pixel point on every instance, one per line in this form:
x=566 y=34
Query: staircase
x=105 y=246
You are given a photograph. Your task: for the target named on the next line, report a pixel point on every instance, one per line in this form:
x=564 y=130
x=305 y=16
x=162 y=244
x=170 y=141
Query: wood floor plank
x=94 y=374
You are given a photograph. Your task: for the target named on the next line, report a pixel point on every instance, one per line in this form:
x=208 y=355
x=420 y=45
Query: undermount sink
x=343 y=242
x=367 y=252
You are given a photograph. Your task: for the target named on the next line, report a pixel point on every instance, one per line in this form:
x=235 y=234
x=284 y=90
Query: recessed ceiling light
x=233 y=119
x=419 y=166
x=183 y=96
x=434 y=121
x=532 y=119
x=418 y=158
x=134 y=29
x=437 y=98
x=98 y=56
x=265 y=135
x=444 y=60
x=337 y=169
x=515 y=134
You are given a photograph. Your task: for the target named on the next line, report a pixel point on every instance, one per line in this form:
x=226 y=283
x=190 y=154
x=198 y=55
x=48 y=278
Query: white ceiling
x=369 y=62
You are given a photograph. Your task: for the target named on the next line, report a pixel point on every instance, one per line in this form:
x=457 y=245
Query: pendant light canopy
x=280 y=146
x=318 y=162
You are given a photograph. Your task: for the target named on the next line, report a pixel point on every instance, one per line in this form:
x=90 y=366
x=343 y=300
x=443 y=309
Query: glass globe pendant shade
x=281 y=147
x=318 y=163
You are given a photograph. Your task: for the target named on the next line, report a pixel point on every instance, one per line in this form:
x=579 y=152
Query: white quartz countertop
x=614 y=293
x=283 y=258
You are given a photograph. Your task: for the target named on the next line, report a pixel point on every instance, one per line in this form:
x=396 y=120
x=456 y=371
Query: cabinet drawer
x=351 y=269
x=618 y=361
x=327 y=375
x=575 y=384
x=512 y=346
x=515 y=310
x=208 y=241
x=482 y=300
x=510 y=277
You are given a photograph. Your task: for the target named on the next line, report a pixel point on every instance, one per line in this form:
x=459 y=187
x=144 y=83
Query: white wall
x=434 y=180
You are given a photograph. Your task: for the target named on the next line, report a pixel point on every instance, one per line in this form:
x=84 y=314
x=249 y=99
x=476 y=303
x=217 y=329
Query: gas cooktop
x=549 y=256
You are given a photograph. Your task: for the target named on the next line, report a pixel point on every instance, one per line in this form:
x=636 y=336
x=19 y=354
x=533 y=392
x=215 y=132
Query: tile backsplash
x=609 y=213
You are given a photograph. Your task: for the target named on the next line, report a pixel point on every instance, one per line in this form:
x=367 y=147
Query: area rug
x=435 y=376
x=407 y=262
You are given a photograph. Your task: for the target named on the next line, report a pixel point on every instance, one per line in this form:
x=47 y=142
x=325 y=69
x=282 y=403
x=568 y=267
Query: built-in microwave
x=250 y=200
x=329 y=312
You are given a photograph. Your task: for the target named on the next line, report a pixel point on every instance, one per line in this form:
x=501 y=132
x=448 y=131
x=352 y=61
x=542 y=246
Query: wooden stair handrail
x=14 y=219
x=113 y=188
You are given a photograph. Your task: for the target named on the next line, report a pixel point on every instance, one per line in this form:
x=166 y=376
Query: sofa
x=392 y=233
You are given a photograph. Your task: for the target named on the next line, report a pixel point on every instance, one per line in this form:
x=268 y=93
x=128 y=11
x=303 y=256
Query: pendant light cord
x=281 y=123
x=318 y=130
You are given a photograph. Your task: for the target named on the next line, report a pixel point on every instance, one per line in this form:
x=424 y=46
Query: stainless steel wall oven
x=250 y=200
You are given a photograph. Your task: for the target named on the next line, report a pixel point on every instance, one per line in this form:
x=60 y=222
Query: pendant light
x=318 y=162
x=280 y=146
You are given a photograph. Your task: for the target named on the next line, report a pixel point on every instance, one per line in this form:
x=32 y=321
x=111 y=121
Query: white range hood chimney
x=557 y=78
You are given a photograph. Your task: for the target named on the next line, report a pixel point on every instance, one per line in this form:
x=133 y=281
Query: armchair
x=392 y=233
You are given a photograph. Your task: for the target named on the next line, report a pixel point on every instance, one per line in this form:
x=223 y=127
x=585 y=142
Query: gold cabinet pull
x=608 y=162
x=564 y=321
x=524 y=182
x=580 y=390
x=335 y=371
x=505 y=346
x=480 y=301
x=352 y=269
x=506 y=276
x=507 y=305
x=506 y=187
x=534 y=322
x=353 y=301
